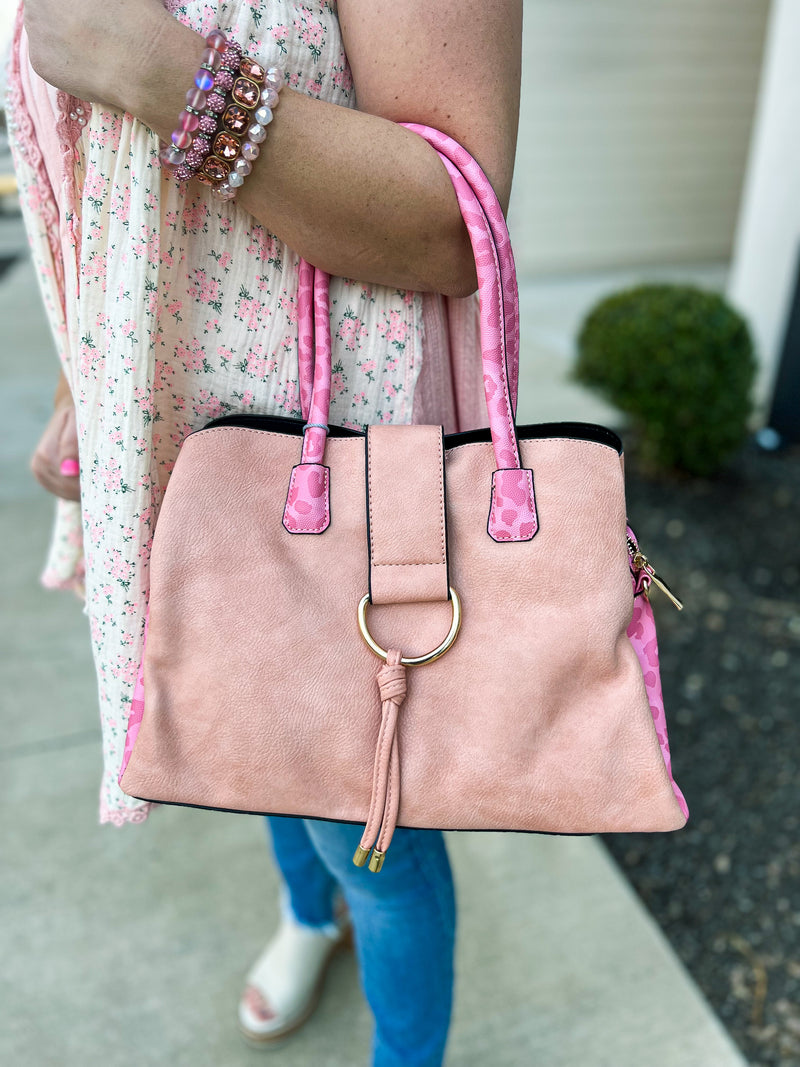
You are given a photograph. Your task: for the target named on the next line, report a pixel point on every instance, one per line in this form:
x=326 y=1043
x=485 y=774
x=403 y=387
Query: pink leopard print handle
x=305 y=333
x=512 y=514
x=465 y=172
x=308 y=508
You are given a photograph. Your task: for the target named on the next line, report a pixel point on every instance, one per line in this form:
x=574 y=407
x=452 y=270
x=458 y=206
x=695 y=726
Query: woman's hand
x=92 y=48
x=55 y=461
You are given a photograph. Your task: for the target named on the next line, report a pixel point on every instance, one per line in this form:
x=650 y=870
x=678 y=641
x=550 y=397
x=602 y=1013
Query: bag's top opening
x=578 y=431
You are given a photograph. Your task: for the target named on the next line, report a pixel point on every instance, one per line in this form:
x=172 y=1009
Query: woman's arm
x=349 y=190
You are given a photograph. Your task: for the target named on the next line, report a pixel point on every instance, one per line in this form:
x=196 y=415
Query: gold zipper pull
x=662 y=585
x=641 y=563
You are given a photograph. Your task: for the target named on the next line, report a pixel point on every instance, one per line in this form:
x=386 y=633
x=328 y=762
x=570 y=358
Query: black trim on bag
x=274 y=424
x=446 y=529
x=357 y=822
x=369 y=530
x=576 y=431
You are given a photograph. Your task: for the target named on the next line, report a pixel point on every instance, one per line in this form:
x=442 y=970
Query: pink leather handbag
x=488 y=578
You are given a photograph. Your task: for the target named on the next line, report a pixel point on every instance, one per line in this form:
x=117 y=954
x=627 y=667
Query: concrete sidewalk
x=128 y=947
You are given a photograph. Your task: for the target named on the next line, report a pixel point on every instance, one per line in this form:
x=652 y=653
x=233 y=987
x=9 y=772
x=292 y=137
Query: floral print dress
x=168 y=309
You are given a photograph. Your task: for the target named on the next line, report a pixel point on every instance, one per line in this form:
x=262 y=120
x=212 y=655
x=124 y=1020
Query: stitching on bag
x=388 y=805
x=538 y=441
x=503 y=347
x=436 y=563
x=440 y=450
x=261 y=433
x=246 y=429
x=289 y=514
x=494 y=522
x=427 y=563
x=369 y=498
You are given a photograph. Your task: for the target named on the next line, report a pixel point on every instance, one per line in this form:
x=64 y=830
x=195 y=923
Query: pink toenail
x=258 y=1005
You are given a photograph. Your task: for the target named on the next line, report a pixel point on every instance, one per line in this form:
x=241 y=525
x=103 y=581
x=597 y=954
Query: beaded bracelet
x=255 y=94
x=208 y=125
x=174 y=155
x=224 y=121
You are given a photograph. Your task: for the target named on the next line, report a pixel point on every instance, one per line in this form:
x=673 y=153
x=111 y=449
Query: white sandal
x=285 y=983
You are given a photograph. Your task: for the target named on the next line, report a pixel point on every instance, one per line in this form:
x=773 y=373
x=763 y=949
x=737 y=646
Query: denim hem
x=288 y=914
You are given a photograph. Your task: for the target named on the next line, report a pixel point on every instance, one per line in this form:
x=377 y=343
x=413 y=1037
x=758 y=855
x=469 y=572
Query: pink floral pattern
x=173 y=310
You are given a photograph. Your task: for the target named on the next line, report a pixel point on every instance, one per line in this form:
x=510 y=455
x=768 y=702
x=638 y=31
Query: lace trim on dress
x=23 y=141
x=72 y=118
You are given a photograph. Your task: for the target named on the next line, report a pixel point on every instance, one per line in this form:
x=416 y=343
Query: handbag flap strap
x=406 y=525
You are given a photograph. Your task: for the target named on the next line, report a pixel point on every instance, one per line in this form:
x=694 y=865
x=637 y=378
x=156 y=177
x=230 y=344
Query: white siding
x=634 y=130
x=765 y=257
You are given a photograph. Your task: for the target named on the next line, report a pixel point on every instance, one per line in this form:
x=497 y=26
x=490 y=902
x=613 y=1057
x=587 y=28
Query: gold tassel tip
x=376 y=862
x=361 y=855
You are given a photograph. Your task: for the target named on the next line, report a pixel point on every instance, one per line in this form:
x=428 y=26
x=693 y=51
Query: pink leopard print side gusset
x=512 y=516
x=642 y=635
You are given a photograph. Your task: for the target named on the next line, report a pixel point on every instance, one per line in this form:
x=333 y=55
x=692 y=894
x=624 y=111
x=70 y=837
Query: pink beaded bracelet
x=209 y=122
x=217 y=51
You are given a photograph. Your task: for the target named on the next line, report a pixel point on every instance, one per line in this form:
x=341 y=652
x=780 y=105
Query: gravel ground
x=726 y=890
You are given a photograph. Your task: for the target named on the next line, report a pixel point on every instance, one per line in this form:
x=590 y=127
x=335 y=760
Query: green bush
x=680 y=362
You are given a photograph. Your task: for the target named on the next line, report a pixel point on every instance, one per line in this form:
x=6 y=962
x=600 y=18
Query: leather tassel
x=385 y=800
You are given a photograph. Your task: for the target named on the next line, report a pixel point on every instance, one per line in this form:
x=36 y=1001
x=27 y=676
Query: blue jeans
x=403 y=921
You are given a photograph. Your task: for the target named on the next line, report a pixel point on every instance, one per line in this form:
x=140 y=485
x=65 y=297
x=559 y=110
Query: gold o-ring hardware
x=412 y=661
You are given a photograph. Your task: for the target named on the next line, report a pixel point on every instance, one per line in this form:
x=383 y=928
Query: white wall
x=768 y=239
x=8 y=9
x=635 y=123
